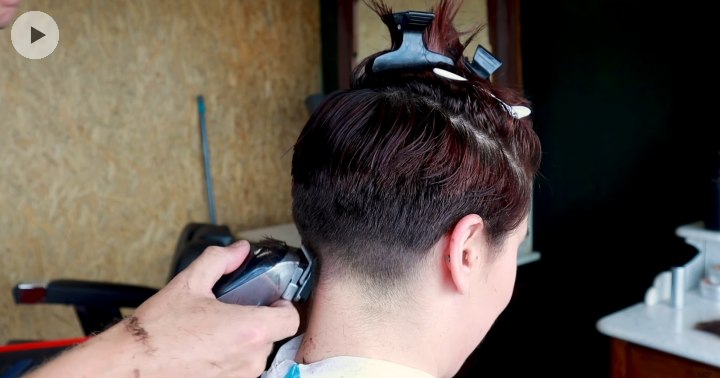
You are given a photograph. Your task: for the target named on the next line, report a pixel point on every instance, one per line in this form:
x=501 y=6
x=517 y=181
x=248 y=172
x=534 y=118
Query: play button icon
x=35 y=35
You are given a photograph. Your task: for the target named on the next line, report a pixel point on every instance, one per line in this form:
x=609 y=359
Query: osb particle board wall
x=100 y=157
x=372 y=35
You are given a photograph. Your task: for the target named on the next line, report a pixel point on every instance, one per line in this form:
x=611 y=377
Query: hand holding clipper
x=272 y=271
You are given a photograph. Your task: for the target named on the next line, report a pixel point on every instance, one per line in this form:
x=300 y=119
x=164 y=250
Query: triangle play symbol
x=35 y=35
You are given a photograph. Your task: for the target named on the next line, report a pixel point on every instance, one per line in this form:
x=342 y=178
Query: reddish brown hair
x=383 y=170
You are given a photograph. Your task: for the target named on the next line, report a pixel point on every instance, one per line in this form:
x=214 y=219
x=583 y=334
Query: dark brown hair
x=383 y=170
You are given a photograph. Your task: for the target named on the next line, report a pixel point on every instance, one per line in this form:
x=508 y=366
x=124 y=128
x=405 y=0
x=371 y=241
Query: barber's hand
x=186 y=331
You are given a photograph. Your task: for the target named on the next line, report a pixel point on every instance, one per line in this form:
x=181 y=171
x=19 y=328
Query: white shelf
x=525 y=258
x=668 y=329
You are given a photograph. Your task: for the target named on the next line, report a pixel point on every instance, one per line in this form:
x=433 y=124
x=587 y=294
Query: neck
x=354 y=325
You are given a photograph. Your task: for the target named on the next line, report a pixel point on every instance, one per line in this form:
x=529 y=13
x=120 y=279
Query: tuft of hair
x=383 y=170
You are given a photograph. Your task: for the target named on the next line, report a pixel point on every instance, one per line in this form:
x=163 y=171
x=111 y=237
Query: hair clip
x=412 y=52
x=484 y=63
x=448 y=75
x=516 y=111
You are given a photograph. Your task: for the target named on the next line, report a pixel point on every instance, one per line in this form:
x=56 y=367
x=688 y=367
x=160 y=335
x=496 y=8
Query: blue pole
x=206 y=158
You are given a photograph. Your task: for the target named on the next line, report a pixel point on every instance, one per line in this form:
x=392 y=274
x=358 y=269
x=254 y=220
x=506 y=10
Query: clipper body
x=270 y=273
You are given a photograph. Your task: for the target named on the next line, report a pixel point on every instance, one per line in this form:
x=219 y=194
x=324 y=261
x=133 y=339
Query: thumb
x=215 y=261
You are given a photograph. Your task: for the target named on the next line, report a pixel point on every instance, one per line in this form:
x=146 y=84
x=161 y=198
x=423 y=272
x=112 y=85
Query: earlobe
x=461 y=251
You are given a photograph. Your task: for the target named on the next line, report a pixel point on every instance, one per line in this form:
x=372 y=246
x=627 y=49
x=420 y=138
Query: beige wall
x=372 y=34
x=100 y=160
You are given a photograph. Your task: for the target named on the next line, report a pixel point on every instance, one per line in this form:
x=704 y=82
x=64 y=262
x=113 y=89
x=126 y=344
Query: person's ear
x=462 y=252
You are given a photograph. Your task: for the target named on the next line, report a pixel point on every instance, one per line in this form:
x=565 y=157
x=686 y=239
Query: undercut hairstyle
x=383 y=170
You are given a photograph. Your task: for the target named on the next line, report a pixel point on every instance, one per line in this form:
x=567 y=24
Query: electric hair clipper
x=272 y=271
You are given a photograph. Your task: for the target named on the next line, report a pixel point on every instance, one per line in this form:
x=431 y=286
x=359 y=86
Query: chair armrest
x=97 y=304
x=82 y=293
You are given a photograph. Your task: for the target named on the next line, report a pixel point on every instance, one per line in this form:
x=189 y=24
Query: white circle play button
x=35 y=35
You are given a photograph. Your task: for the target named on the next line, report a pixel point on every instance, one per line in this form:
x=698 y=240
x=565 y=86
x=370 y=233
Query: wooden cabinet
x=634 y=361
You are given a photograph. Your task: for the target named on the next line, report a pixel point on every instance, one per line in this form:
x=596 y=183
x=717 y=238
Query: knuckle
x=252 y=337
x=214 y=250
x=256 y=336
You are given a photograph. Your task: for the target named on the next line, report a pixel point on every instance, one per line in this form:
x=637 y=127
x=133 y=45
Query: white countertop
x=668 y=329
x=289 y=234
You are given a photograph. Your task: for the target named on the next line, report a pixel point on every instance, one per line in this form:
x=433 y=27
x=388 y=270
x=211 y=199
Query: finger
x=282 y=303
x=204 y=272
x=280 y=320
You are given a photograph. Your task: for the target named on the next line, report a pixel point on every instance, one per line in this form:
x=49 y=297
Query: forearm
x=184 y=331
x=113 y=353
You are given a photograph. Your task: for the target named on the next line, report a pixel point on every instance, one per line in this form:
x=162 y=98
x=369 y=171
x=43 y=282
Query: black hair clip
x=484 y=63
x=412 y=51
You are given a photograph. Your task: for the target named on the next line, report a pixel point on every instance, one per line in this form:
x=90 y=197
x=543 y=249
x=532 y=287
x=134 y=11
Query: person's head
x=408 y=177
x=7 y=11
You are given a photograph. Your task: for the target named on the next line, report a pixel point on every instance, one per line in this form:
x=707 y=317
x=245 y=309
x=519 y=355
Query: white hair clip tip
x=448 y=75
x=519 y=111
x=516 y=111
